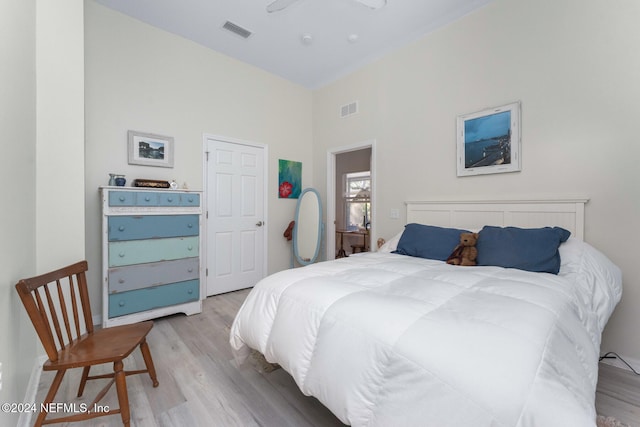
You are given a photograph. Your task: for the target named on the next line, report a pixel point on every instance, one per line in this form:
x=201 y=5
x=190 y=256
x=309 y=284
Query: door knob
x=259 y=223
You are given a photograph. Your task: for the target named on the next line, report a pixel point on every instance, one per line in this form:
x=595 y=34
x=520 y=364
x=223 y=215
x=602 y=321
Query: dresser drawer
x=147 y=198
x=179 y=199
x=153 y=198
x=145 y=251
x=155 y=297
x=169 y=199
x=128 y=278
x=136 y=227
x=122 y=198
x=189 y=199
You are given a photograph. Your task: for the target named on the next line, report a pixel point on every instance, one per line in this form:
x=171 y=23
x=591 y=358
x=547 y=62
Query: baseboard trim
x=635 y=363
x=32 y=389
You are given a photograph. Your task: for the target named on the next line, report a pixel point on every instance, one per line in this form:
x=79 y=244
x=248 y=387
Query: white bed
x=386 y=339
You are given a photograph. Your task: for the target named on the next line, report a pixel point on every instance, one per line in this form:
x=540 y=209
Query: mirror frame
x=296 y=255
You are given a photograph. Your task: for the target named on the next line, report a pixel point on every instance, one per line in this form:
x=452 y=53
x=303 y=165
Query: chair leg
x=148 y=361
x=83 y=380
x=50 y=395
x=121 y=387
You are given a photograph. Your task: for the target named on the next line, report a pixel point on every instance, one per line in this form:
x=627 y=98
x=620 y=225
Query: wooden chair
x=55 y=301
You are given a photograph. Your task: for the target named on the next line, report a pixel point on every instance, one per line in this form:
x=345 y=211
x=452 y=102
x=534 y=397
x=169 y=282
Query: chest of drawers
x=150 y=254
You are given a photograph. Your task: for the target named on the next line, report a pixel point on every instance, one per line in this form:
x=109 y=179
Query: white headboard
x=474 y=214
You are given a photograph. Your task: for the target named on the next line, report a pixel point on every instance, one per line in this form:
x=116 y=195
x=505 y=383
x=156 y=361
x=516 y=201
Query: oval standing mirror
x=307 y=231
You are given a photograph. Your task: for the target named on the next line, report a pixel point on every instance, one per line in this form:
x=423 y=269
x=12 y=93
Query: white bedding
x=388 y=340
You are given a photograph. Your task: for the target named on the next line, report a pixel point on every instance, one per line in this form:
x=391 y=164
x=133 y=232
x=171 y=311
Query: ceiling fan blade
x=279 y=5
x=373 y=4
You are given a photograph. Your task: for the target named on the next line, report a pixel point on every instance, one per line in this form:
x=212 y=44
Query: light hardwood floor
x=201 y=385
x=618 y=394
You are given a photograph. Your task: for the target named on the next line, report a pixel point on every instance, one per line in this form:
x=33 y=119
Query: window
x=357 y=200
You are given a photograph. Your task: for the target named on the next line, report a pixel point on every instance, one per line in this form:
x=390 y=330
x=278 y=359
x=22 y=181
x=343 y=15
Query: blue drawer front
x=153 y=198
x=179 y=199
x=189 y=199
x=169 y=199
x=122 y=198
x=152 y=226
x=155 y=297
x=147 y=199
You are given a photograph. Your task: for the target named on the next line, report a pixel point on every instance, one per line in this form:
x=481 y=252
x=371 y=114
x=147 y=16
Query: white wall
x=42 y=219
x=141 y=78
x=60 y=133
x=572 y=65
x=17 y=216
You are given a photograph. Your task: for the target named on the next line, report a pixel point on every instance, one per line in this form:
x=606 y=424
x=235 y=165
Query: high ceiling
x=311 y=42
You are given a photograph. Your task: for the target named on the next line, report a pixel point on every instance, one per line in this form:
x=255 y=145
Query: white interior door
x=235 y=216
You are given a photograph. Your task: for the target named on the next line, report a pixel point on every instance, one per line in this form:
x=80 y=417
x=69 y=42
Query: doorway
x=235 y=226
x=351 y=199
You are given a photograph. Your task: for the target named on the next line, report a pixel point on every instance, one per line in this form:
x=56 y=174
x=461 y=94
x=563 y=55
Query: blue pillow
x=531 y=249
x=428 y=241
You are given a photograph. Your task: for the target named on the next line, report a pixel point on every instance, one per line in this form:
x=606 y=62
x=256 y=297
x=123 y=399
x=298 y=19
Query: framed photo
x=148 y=149
x=489 y=141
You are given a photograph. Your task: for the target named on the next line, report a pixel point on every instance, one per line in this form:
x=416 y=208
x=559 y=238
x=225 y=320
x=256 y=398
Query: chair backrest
x=53 y=301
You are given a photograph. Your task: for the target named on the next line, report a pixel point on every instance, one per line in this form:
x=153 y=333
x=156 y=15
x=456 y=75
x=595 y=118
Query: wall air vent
x=237 y=29
x=348 y=109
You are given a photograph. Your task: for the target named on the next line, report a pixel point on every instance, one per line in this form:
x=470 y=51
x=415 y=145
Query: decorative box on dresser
x=151 y=250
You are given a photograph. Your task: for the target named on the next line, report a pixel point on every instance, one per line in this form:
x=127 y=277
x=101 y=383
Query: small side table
x=341 y=252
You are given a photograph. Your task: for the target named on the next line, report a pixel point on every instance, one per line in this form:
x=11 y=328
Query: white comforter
x=390 y=340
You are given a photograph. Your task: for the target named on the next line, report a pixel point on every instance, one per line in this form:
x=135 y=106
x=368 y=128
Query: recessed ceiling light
x=352 y=38
x=306 y=39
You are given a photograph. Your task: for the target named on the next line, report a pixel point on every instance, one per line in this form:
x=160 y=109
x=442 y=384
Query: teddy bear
x=465 y=253
x=288 y=233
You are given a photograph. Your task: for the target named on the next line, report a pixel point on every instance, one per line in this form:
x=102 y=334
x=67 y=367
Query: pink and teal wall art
x=289 y=179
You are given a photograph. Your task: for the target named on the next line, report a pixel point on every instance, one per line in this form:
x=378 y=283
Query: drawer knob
x=190 y=248
x=190 y=291
x=147 y=198
x=121 y=254
x=121 y=228
x=190 y=270
x=170 y=199
x=190 y=225
x=121 y=198
x=121 y=303
x=121 y=280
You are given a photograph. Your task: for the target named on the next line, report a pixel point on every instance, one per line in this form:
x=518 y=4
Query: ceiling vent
x=348 y=109
x=237 y=29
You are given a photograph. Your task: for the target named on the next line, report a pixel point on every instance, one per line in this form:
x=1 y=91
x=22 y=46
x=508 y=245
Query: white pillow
x=391 y=244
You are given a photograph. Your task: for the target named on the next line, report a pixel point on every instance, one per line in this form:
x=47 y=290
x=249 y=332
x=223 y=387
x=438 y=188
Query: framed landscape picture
x=148 y=149
x=489 y=141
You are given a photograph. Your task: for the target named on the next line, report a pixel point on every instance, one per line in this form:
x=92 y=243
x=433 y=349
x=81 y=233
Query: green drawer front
x=137 y=227
x=155 y=297
x=153 y=250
